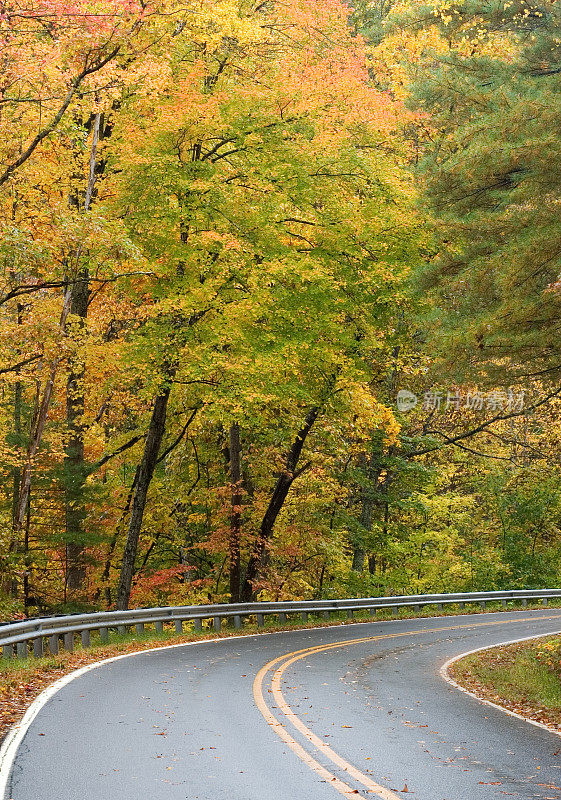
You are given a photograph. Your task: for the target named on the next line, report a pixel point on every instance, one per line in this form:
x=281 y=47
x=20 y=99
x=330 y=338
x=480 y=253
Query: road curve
x=355 y=710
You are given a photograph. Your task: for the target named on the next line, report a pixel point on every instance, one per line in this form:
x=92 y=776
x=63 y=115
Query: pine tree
x=492 y=172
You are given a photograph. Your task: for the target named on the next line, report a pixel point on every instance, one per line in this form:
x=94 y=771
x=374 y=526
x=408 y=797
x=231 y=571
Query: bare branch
x=117 y=452
x=16 y=367
x=480 y=428
x=179 y=438
x=48 y=129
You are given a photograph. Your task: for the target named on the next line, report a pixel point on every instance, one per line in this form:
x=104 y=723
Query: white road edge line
x=447 y=677
x=16 y=734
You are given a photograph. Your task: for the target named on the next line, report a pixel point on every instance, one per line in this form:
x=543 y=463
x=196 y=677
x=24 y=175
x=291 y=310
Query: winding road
x=355 y=710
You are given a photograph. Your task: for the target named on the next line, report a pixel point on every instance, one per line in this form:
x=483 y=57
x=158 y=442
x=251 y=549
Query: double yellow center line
x=278 y=666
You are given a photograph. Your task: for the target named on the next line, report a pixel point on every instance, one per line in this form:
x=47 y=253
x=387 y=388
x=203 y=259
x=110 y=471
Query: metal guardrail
x=30 y=636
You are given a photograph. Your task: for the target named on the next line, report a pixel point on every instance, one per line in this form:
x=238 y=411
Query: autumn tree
x=277 y=266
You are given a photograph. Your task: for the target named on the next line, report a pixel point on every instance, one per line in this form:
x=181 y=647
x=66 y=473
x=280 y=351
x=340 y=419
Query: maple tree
x=244 y=233
x=219 y=283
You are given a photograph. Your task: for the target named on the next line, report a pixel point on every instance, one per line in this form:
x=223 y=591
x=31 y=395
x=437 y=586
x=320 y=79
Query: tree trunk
x=278 y=497
x=367 y=505
x=74 y=468
x=236 y=513
x=146 y=467
x=113 y=543
x=9 y=582
x=18 y=398
x=372 y=471
x=358 y=558
x=26 y=558
x=37 y=429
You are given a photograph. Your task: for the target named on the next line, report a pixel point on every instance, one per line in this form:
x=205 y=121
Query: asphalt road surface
x=359 y=711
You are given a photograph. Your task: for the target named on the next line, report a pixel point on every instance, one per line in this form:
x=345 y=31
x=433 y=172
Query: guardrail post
x=122 y=630
x=38 y=637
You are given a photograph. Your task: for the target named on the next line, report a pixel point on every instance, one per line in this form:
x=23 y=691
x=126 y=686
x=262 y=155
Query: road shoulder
x=502 y=677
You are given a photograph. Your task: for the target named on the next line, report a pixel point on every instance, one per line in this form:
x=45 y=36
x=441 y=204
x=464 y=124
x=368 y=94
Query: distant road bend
x=356 y=710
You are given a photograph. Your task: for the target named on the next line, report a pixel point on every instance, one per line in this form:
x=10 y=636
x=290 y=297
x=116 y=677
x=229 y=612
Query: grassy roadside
x=22 y=680
x=524 y=677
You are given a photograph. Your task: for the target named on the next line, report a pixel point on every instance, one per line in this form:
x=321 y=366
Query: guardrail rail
x=42 y=634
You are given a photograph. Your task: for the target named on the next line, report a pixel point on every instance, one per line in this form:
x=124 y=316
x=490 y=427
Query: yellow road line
x=290 y=658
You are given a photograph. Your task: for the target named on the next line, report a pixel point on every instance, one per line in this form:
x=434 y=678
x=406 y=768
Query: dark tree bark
x=236 y=513
x=369 y=502
x=74 y=467
x=37 y=428
x=26 y=558
x=113 y=543
x=278 y=497
x=18 y=430
x=358 y=557
x=146 y=468
x=74 y=470
x=366 y=508
x=9 y=582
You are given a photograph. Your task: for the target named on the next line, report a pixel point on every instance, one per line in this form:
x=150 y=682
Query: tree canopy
x=232 y=236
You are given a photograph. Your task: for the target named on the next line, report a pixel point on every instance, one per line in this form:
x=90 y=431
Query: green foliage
x=491 y=176
x=524 y=676
x=272 y=233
